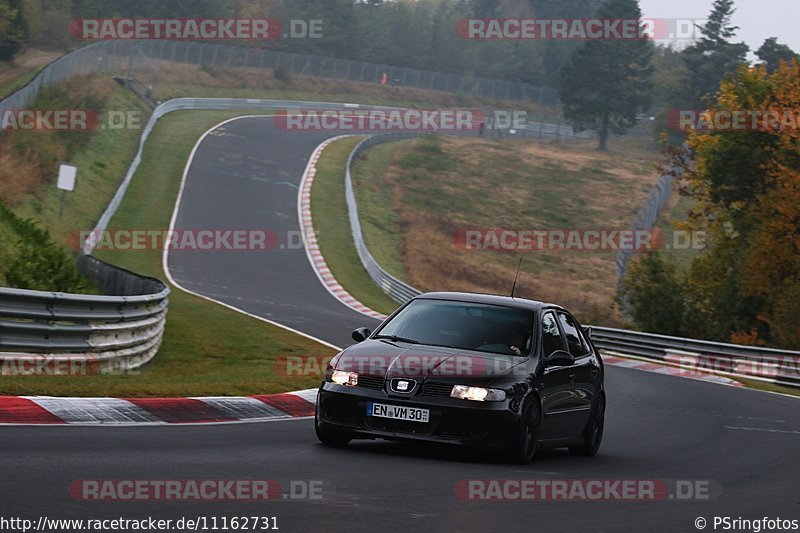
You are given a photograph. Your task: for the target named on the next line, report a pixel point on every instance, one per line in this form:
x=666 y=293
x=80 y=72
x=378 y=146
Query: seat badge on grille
x=403 y=385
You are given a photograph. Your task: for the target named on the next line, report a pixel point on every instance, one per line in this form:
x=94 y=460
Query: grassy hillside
x=34 y=235
x=416 y=196
x=207 y=349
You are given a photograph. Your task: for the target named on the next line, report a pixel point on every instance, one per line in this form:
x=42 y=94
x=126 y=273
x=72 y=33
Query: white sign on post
x=66 y=182
x=66 y=177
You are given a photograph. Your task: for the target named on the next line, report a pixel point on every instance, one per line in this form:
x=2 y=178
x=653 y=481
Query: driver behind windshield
x=518 y=341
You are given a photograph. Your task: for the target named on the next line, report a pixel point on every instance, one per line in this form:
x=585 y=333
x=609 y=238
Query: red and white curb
x=16 y=410
x=622 y=360
x=310 y=238
x=155 y=411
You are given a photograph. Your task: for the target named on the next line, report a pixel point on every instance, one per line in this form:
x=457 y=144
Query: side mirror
x=360 y=334
x=588 y=332
x=559 y=358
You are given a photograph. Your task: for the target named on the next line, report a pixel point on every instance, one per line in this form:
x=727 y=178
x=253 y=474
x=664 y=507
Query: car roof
x=490 y=299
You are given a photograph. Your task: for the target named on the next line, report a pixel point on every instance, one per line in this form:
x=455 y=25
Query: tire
x=526 y=442
x=593 y=433
x=331 y=438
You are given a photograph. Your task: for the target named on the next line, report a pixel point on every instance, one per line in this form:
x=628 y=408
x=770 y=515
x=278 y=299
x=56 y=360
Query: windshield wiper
x=395 y=338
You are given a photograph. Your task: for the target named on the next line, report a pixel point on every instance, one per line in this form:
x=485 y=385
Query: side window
x=577 y=345
x=551 y=336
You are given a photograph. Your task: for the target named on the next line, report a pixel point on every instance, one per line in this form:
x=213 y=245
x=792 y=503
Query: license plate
x=398 y=412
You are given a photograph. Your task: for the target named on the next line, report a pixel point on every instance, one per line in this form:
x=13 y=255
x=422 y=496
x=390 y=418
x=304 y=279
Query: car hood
x=398 y=359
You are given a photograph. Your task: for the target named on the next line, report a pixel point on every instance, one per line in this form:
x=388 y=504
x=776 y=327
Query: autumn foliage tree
x=746 y=186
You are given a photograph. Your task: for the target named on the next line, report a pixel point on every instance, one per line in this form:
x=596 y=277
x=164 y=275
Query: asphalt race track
x=245 y=175
x=740 y=443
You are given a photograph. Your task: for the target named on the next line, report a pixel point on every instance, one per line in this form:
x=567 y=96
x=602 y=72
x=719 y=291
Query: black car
x=498 y=372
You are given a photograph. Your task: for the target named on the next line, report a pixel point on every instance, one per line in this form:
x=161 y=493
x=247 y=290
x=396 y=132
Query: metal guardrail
x=754 y=362
x=118 y=331
x=398 y=290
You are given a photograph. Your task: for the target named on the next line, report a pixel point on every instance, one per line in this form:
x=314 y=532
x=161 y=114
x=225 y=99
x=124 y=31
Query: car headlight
x=341 y=377
x=478 y=394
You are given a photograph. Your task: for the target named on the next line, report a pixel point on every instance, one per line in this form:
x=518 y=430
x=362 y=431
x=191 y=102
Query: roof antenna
x=514 y=286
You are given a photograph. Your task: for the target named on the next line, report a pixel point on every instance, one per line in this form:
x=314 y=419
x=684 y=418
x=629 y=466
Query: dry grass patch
x=442 y=186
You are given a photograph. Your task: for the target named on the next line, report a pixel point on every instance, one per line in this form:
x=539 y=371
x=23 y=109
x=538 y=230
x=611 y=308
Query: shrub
x=35 y=261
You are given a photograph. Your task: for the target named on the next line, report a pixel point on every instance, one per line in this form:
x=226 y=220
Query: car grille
x=437 y=389
x=370 y=382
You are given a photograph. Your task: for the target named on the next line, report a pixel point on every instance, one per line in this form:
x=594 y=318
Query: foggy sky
x=757 y=19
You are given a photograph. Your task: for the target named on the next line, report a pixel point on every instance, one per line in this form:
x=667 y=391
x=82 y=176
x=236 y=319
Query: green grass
x=333 y=230
x=374 y=196
x=101 y=166
x=771 y=387
x=207 y=349
x=29 y=55
x=15 y=83
x=28 y=173
x=7 y=251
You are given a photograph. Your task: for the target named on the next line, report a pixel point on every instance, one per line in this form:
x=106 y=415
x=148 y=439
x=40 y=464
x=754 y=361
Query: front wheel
x=331 y=438
x=593 y=433
x=527 y=439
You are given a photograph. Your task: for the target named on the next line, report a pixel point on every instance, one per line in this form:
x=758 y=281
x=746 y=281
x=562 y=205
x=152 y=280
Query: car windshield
x=464 y=325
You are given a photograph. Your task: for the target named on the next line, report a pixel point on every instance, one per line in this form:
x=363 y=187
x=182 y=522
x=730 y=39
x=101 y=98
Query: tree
x=747 y=187
x=13 y=30
x=606 y=82
x=654 y=291
x=46 y=23
x=771 y=53
x=669 y=91
x=714 y=56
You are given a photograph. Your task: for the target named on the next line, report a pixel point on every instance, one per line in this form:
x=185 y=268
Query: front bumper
x=453 y=421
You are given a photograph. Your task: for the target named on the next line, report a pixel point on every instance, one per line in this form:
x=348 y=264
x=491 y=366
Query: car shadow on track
x=440 y=452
